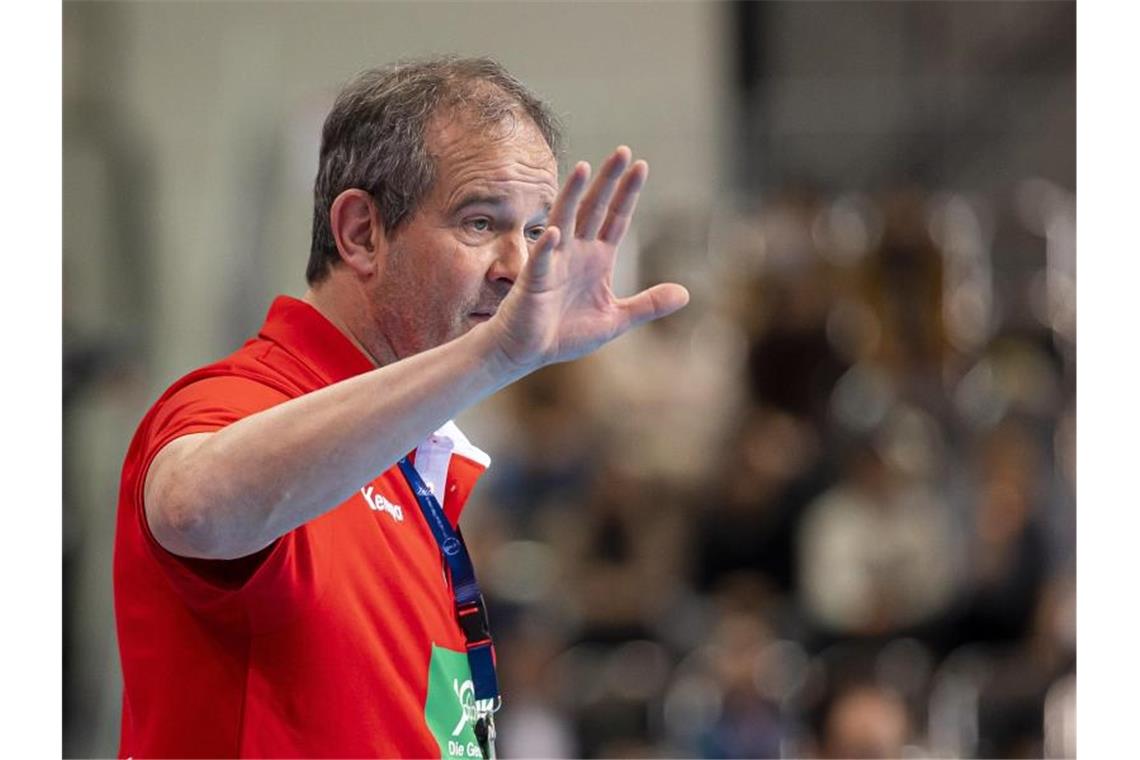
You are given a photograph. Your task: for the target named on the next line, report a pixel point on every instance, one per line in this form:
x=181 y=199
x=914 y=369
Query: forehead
x=510 y=158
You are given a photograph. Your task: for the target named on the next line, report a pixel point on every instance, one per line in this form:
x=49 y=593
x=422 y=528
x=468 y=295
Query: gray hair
x=374 y=136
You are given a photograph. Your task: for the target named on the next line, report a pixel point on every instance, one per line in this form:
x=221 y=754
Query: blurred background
x=825 y=511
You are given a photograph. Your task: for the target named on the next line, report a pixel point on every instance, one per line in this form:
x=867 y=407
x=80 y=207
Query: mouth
x=481 y=316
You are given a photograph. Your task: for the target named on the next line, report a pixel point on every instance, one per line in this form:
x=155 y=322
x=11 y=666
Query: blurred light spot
x=954 y=225
x=781 y=670
x=1061 y=718
x=978 y=397
x=967 y=298
x=912 y=442
x=846 y=230
x=692 y=705
x=952 y=713
x=1035 y=201
x=1063 y=305
x=967 y=314
x=1061 y=275
x=861 y=397
x=953 y=717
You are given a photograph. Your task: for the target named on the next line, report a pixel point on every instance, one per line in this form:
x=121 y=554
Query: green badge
x=450 y=708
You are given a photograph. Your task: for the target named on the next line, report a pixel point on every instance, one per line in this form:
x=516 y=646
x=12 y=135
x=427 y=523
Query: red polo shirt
x=337 y=640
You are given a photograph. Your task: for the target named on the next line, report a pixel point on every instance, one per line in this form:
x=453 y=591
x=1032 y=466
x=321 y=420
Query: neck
x=348 y=310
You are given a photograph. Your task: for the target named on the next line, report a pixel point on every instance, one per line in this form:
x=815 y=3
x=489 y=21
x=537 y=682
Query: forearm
x=255 y=480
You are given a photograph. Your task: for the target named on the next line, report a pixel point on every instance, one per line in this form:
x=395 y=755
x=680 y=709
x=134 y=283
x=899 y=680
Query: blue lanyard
x=470 y=610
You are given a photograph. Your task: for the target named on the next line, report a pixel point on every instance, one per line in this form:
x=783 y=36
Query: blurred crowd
x=825 y=511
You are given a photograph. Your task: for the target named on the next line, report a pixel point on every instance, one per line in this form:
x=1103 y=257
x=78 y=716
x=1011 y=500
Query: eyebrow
x=488 y=199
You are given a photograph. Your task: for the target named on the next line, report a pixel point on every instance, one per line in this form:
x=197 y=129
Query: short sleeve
x=208 y=405
x=205 y=406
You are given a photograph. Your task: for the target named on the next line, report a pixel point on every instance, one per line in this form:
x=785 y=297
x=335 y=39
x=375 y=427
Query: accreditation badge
x=450 y=711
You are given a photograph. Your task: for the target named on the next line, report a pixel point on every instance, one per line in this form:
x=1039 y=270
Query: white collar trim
x=459 y=443
x=433 y=457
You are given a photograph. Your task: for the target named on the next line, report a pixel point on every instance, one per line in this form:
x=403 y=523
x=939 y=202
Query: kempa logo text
x=377 y=503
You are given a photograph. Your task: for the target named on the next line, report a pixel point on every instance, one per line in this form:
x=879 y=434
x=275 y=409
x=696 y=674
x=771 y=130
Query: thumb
x=653 y=303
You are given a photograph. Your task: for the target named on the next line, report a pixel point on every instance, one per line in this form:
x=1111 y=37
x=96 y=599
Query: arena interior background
x=829 y=507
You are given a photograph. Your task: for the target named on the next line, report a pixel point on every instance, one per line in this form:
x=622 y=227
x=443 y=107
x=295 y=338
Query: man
x=280 y=587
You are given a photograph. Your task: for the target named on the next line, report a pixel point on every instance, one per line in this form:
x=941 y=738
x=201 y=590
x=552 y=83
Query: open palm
x=562 y=306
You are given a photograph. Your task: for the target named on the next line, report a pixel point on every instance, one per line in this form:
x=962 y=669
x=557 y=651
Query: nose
x=510 y=257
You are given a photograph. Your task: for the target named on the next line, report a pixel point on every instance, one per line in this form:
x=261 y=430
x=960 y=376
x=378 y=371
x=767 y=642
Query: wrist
x=501 y=367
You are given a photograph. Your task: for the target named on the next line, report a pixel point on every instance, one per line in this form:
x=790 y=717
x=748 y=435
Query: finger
x=539 y=262
x=624 y=202
x=593 y=209
x=653 y=303
x=566 y=205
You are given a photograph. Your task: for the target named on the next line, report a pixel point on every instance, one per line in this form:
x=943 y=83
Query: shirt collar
x=454 y=438
x=309 y=336
x=312 y=339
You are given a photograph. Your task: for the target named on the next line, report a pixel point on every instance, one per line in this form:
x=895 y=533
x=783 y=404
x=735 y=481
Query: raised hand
x=562 y=306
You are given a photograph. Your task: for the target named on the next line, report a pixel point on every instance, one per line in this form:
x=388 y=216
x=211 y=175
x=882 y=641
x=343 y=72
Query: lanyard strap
x=470 y=610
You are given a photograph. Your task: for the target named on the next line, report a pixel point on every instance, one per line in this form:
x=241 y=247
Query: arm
x=228 y=494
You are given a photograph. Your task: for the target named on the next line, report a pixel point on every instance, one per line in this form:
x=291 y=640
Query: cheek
x=462 y=277
x=442 y=275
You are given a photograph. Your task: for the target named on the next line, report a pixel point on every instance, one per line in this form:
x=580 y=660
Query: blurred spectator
x=621 y=551
x=749 y=725
x=865 y=721
x=792 y=364
x=902 y=278
x=533 y=722
x=1013 y=697
x=1009 y=552
x=877 y=551
x=765 y=477
x=615 y=693
x=725 y=697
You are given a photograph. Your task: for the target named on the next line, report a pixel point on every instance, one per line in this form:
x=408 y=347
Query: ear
x=357 y=229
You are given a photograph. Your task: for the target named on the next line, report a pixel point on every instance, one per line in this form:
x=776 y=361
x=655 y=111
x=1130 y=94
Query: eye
x=534 y=233
x=478 y=224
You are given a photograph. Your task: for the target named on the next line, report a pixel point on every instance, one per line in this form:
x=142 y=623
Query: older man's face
x=452 y=263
